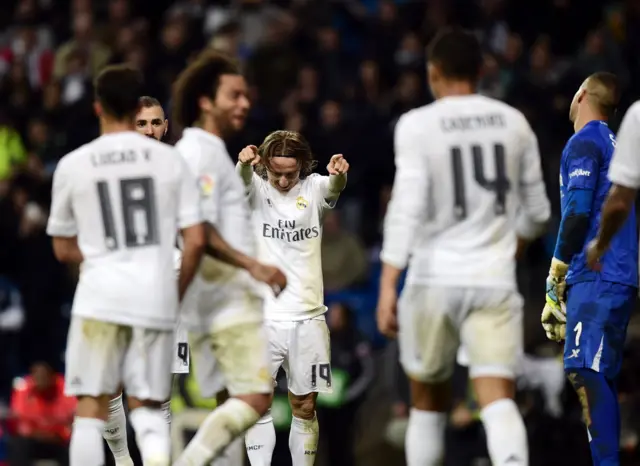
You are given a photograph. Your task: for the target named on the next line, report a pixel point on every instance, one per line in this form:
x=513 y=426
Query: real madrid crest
x=301 y=203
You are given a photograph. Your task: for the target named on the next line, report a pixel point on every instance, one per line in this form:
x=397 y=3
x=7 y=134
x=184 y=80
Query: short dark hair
x=118 y=88
x=147 y=101
x=286 y=144
x=604 y=91
x=200 y=78
x=457 y=53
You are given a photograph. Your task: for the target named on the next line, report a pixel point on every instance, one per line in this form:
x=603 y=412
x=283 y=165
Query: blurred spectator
x=352 y=373
x=42 y=415
x=27 y=49
x=12 y=151
x=84 y=46
x=344 y=259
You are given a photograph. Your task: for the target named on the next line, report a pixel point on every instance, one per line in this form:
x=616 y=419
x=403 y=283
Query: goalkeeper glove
x=554 y=313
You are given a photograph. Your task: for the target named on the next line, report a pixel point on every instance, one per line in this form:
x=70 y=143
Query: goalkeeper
x=590 y=309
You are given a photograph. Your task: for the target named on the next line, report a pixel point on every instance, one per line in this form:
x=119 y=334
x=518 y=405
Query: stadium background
x=342 y=72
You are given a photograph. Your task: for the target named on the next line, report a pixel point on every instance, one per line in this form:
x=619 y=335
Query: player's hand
x=338 y=165
x=554 y=322
x=249 y=156
x=270 y=275
x=594 y=253
x=387 y=314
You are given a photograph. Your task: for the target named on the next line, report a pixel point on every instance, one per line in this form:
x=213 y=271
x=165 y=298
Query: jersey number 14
x=499 y=185
x=139 y=213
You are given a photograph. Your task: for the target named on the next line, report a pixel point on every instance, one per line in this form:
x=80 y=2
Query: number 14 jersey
x=125 y=196
x=468 y=178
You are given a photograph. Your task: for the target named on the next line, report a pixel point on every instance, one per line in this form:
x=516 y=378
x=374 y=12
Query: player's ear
x=97 y=108
x=166 y=127
x=205 y=104
x=582 y=94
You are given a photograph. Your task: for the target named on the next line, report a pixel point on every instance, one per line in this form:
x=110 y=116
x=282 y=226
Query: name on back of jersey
x=119 y=156
x=289 y=231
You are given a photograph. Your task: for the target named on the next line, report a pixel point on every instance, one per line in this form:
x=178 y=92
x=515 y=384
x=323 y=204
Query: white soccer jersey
x=468 y=179
x=218 y=288
x=289 y=231
x=624 y=169
x=125 y=196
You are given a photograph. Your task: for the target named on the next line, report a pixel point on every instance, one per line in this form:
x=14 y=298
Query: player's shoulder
x=596 y=136
x=633 y=111
x=197 y=143
x=511 y=116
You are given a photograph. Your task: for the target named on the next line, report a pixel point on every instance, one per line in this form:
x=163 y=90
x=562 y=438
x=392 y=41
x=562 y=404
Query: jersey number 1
x=139 y=213
x=500 y=185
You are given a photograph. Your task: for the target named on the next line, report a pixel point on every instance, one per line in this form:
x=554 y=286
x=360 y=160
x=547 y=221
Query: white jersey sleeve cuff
x=623 y=176
x=62 y=229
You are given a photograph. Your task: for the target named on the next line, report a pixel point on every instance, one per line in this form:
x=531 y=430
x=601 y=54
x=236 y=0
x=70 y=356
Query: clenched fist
x=249 y=156
x=338 y=165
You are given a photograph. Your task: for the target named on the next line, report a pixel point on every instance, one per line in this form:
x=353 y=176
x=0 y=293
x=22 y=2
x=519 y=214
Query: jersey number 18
x=139 y=214
x=500 y=185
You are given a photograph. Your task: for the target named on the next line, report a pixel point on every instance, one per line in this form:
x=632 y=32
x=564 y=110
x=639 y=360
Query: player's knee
x=93 y=407
x=430 y=396
x=260 y=402
x=135 y=403
x=303 y=406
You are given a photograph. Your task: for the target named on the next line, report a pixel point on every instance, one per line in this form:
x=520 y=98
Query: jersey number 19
x=500 y=185
x=139 y=214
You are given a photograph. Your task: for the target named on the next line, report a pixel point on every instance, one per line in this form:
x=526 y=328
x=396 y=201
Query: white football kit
x=289 y=231
x=124 y=196
x=181 y=357
x=223 y=307
x=468 y=182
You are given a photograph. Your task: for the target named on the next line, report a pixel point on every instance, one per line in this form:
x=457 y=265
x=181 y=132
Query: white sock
x=424 y=443
x=233 y=455
x=115 y=433
x=260 y=441
x=303 y=441
x=86 y=442
x=153 y=435
x=230 y=420
x=506 y=433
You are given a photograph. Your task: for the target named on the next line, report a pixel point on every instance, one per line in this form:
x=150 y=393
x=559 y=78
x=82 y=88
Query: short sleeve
x=582 y=164
x=320 y=186
x=203 y=167
x=61 y=219
x=189 y=205
x=624 y=169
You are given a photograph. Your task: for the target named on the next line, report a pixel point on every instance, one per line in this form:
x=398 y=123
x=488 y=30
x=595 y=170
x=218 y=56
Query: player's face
x=232 y=104
x=283 y=173
x=151 y=122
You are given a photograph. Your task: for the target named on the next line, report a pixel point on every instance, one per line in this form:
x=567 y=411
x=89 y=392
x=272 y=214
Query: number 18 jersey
x=468 y=178
x=125 y=196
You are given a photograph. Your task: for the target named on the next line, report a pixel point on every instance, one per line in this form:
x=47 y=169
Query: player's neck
x=209 y=125
x=113 y=126
x=583 y=120
x=457 y=88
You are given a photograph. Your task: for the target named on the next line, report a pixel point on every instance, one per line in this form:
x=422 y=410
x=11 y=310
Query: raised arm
x=247 y=159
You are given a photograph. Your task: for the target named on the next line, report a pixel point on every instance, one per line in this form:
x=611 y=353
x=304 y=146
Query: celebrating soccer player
x=598 y=303
x=288 y=202
x=468 y=183
x=223 y=308
x=117 y=205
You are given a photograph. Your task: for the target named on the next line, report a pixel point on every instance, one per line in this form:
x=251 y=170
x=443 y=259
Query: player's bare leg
x=304 y=433
x=86 y=438
x=430 y=403
x=115 y=431
x=503 y=425
x=234 y=454
x=153 y=433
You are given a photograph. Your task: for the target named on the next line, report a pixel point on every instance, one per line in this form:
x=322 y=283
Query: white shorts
x=435 y=321
x=303 y=349
x=180 y=350
x=234 y=358
x=102 y=355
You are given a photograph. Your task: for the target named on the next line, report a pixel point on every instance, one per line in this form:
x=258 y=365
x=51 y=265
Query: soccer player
x=598 y=303
x=468 y=186
x=150 y=121
x=223 y=310
x=117 y=205
x=288 y=202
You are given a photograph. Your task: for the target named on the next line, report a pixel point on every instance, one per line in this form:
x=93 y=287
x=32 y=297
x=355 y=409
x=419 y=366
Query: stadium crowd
x=341 y=72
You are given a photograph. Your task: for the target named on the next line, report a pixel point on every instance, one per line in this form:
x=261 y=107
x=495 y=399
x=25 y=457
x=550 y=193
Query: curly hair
x=200 y=79
x=286 y=144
